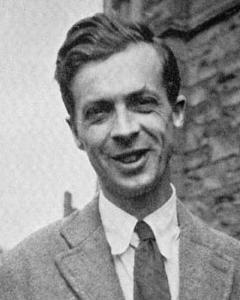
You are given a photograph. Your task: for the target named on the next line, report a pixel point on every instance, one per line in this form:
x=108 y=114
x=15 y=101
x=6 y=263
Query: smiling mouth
x=130 y=157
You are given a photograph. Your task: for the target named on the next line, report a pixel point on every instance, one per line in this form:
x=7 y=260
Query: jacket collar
x=88 y=267
x=205 y=271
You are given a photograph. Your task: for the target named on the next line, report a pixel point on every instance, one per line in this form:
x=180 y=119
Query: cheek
x=155 y=126
x=91 y=144
x=94 y=139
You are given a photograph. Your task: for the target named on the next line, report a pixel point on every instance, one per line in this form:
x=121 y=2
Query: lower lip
x=133 y=166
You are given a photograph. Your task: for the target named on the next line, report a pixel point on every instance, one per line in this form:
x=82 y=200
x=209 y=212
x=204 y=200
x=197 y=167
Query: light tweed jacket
x=71 y=260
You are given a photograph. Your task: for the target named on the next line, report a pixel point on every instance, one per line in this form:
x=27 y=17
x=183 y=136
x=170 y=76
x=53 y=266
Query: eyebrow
x=129 y=96
x=97 y=102
x=140 y=92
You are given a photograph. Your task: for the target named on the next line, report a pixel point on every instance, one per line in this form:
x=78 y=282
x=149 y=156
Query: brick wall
x=205 y=36
x=1 y=253
x=211 y=152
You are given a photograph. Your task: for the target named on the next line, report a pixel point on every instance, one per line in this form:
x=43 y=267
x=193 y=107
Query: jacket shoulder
x=30 y=259
x=218 y=241
x=46 y=240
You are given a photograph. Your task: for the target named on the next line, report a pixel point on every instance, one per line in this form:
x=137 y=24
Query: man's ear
x=75 y=134
x=179 y=111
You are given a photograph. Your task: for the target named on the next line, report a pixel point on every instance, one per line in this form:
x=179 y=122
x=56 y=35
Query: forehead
x=136 y=67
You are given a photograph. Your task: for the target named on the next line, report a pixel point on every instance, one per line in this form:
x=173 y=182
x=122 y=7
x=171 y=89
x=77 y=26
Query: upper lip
x=125 y=154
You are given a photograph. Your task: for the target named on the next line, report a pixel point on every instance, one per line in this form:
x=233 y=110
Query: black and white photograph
x=120 y=150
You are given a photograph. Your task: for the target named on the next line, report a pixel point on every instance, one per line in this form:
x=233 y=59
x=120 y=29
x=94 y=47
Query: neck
x=145 y=203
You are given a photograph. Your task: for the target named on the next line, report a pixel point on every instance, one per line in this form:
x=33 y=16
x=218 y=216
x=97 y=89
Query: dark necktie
x=150 y=279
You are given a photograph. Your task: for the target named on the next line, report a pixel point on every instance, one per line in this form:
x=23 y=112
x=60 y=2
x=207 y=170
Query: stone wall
x=1 y=253
x=205 y=36
x=212 y=132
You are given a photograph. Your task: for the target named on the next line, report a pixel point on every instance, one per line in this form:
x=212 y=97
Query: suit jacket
x=71 y=259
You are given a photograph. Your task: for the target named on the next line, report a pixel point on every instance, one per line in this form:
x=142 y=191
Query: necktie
x=150 y=279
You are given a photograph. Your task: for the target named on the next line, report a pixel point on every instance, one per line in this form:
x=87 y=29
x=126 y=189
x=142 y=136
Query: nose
x=125 y=126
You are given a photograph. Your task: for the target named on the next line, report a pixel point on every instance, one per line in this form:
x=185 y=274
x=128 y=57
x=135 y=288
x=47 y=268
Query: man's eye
x=97 y=113
x=147 y=100
x=145 y=104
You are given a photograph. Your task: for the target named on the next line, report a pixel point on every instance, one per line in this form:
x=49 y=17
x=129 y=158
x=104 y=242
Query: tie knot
x=144 y=231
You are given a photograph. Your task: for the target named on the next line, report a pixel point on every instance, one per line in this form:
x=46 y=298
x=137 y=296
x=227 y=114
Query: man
x=135 y=240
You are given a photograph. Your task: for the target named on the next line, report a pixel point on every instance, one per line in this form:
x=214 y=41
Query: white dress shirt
x=119 y=229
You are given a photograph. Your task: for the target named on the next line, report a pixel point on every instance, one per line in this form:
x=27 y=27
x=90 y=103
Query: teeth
x=130 y=159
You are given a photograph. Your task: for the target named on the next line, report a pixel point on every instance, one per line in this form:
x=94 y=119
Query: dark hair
x=99 y=37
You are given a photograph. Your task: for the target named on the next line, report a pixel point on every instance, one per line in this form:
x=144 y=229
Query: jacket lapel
x=88 y=265
x=205 y=273
x=88 y=268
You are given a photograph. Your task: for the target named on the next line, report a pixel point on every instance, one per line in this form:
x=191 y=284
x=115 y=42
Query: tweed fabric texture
x=71 y=260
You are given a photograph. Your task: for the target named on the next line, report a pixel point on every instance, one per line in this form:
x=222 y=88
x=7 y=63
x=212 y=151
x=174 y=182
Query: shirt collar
x=119 y=225
x=164 y=225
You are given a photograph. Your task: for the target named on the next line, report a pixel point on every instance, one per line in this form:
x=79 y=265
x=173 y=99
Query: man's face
x=124 y=120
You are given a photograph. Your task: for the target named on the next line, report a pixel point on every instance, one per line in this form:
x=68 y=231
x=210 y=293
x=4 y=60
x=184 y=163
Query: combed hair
x=99 y=37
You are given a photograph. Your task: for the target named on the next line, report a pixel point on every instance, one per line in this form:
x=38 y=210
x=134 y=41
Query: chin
x=134 y=191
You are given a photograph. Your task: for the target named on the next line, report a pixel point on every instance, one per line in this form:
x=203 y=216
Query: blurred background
x=38 y=158
x=41 y=169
